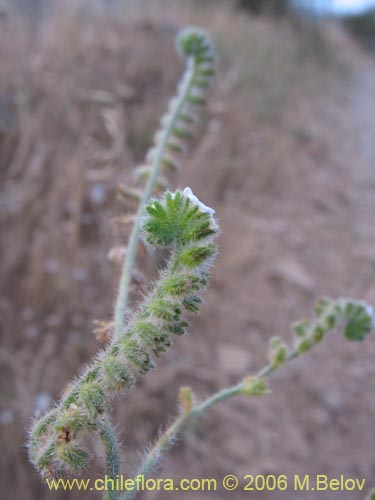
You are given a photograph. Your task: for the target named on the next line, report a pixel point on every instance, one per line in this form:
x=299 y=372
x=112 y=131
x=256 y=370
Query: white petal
x=370 y=310
x=189 y=193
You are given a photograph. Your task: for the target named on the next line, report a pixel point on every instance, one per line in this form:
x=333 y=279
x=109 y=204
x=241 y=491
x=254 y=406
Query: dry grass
x=79 y=101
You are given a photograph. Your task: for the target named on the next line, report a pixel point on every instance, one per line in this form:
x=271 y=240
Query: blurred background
x=286 y=157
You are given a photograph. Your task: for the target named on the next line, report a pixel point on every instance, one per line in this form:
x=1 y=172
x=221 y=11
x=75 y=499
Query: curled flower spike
x=179 y=221
x=179 y=125
x=356 y=318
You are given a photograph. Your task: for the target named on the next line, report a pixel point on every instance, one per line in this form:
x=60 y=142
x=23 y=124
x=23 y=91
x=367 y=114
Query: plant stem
x=235 y=390
x=153 y=456
x=174 y=430
x=112 y=454
x=128 y=263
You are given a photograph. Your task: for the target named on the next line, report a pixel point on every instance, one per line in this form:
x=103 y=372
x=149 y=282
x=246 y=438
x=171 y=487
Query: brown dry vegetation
x=286 y=163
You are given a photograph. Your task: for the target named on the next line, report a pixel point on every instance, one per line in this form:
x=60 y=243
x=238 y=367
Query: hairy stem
x=152 y=459
x=112 y=454
x=153 y=456
x=235 y=390
x=357 y=320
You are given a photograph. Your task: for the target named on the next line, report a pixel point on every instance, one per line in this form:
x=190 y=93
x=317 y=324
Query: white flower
x=370 y=311
x=195 y=201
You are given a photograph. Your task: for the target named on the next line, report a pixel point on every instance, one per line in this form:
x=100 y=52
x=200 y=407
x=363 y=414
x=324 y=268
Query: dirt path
x=363 y=115
x=364 y=118
x=364 y=107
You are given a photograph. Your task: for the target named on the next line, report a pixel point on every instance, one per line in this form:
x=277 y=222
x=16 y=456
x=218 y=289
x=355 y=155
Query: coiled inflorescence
x=354 y=317
x=180 y=122
x=182 y=223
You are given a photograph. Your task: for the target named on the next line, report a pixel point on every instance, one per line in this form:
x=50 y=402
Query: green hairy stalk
x=183 y=224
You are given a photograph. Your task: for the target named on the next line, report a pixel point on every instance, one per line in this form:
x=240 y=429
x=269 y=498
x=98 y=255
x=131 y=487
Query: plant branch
x=357 y=321
x=108 y=437
x=172 y=433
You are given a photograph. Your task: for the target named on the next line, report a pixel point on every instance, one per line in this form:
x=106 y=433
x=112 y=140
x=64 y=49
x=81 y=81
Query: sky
x=338 y=6
x=349 y=5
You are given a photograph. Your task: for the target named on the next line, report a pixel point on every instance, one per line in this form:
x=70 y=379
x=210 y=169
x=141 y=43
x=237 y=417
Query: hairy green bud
x=301 y=328
x=93 y=398
x=254 y=386
x=136 y=355
x=196 y=255
x=165 y=309
x=183 y=284
x=318 y=333
x=72 y=419
x=152 y=336
x=303 y=345
x=178 y=328
x=117 y=375
x=71 y=456
x=192 y=303
x=185 y=398
x=278 y=352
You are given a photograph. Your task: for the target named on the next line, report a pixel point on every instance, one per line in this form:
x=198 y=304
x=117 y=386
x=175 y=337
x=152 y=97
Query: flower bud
x=93 y=398
x=116 y=375
x=136 y=355
x=301 y=328
x=254 y=386
x=303 y=345
x=72 y=456
x=165 y=309
x=185 y=398
x=278 y=352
